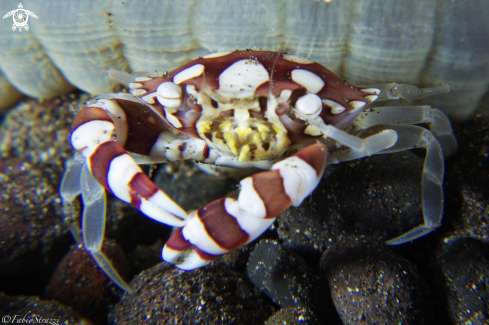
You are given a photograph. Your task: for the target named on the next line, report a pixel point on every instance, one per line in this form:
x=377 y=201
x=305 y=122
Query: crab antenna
x=270 y=93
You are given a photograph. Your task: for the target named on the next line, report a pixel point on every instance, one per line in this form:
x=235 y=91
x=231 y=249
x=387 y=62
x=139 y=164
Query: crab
x=276 y=112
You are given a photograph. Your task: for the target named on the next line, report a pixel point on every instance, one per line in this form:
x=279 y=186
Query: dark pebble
x=211 y=295
x=79 y=283
x=33 y=228
x=465 y=268
x=190 y=187
x=467 y=175
x=462 y=256
x=371 y=285
x=32 y=310
x=293 y=316
x=284 y=276
x=144 y=256
x=31 y=223
x=378 y=196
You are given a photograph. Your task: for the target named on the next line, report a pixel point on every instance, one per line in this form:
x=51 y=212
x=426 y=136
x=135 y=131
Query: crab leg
x=107 y=130
x=70 y=184
x=394 y=90
x=76 y=180
x=389 y=138
x=366 y=146
x=99 y=133
x=93 y=226
x=227 y=223
x=411 y=136
x=437 y=122
x=93 y=136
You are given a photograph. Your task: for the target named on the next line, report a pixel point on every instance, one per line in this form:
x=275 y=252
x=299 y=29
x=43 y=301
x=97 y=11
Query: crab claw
x=227 y=223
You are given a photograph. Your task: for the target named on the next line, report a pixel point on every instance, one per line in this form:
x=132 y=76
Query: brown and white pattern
x=100 y=133
x=241 y=109
x=227 y=224
x=235 y=110
x=211 y=87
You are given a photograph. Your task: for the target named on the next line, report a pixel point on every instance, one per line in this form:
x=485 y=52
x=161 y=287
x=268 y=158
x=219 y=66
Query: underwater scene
x=244 y=162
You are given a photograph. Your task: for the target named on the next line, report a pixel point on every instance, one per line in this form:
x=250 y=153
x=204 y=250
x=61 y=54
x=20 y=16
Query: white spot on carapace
x=297 y=59
x=357 y=106
x=371 y=98
x=134 y=85
x=335 y=107
x=232 y=162
x=142 y=79
x=149 y=98
x=241 y=79
x=307 y=79
x=170 y=118
x=373 y=91
x=215 y=55
x=309 y=104
x=137 y=92
x=191 y=72
x=169 y=94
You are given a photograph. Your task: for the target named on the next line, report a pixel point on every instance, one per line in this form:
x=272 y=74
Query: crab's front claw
x=227 y=223
x=99 y=133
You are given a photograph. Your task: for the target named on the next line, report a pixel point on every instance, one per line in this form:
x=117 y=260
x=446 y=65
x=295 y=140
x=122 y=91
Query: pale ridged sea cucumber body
x=365 y=42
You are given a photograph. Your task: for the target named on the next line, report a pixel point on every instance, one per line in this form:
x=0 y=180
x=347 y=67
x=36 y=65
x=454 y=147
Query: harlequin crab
x=244 y=109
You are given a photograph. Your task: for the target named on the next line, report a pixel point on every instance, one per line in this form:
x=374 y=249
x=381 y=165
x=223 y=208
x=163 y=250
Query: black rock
x=212 y=295
x=371 y=285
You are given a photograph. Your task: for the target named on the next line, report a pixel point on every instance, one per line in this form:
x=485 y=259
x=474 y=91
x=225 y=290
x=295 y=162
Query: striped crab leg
x=103 y=132
x=227 y=223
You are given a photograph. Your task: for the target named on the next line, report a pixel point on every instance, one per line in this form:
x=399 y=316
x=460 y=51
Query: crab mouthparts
x=246 y=141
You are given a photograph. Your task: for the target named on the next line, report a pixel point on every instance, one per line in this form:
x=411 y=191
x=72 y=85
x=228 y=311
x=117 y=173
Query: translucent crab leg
x=77 y=179
x=100 y=131
x=93 y=226
x=70 y=184
x=71 y=187
x=411 y=136
x=437 y=122
x=431 y=189
x=367 y=146
x=394 y=90
x=125 y=78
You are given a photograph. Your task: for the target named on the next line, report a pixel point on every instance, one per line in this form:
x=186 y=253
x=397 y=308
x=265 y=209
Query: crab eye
x=169 y=94
x=309 y=104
